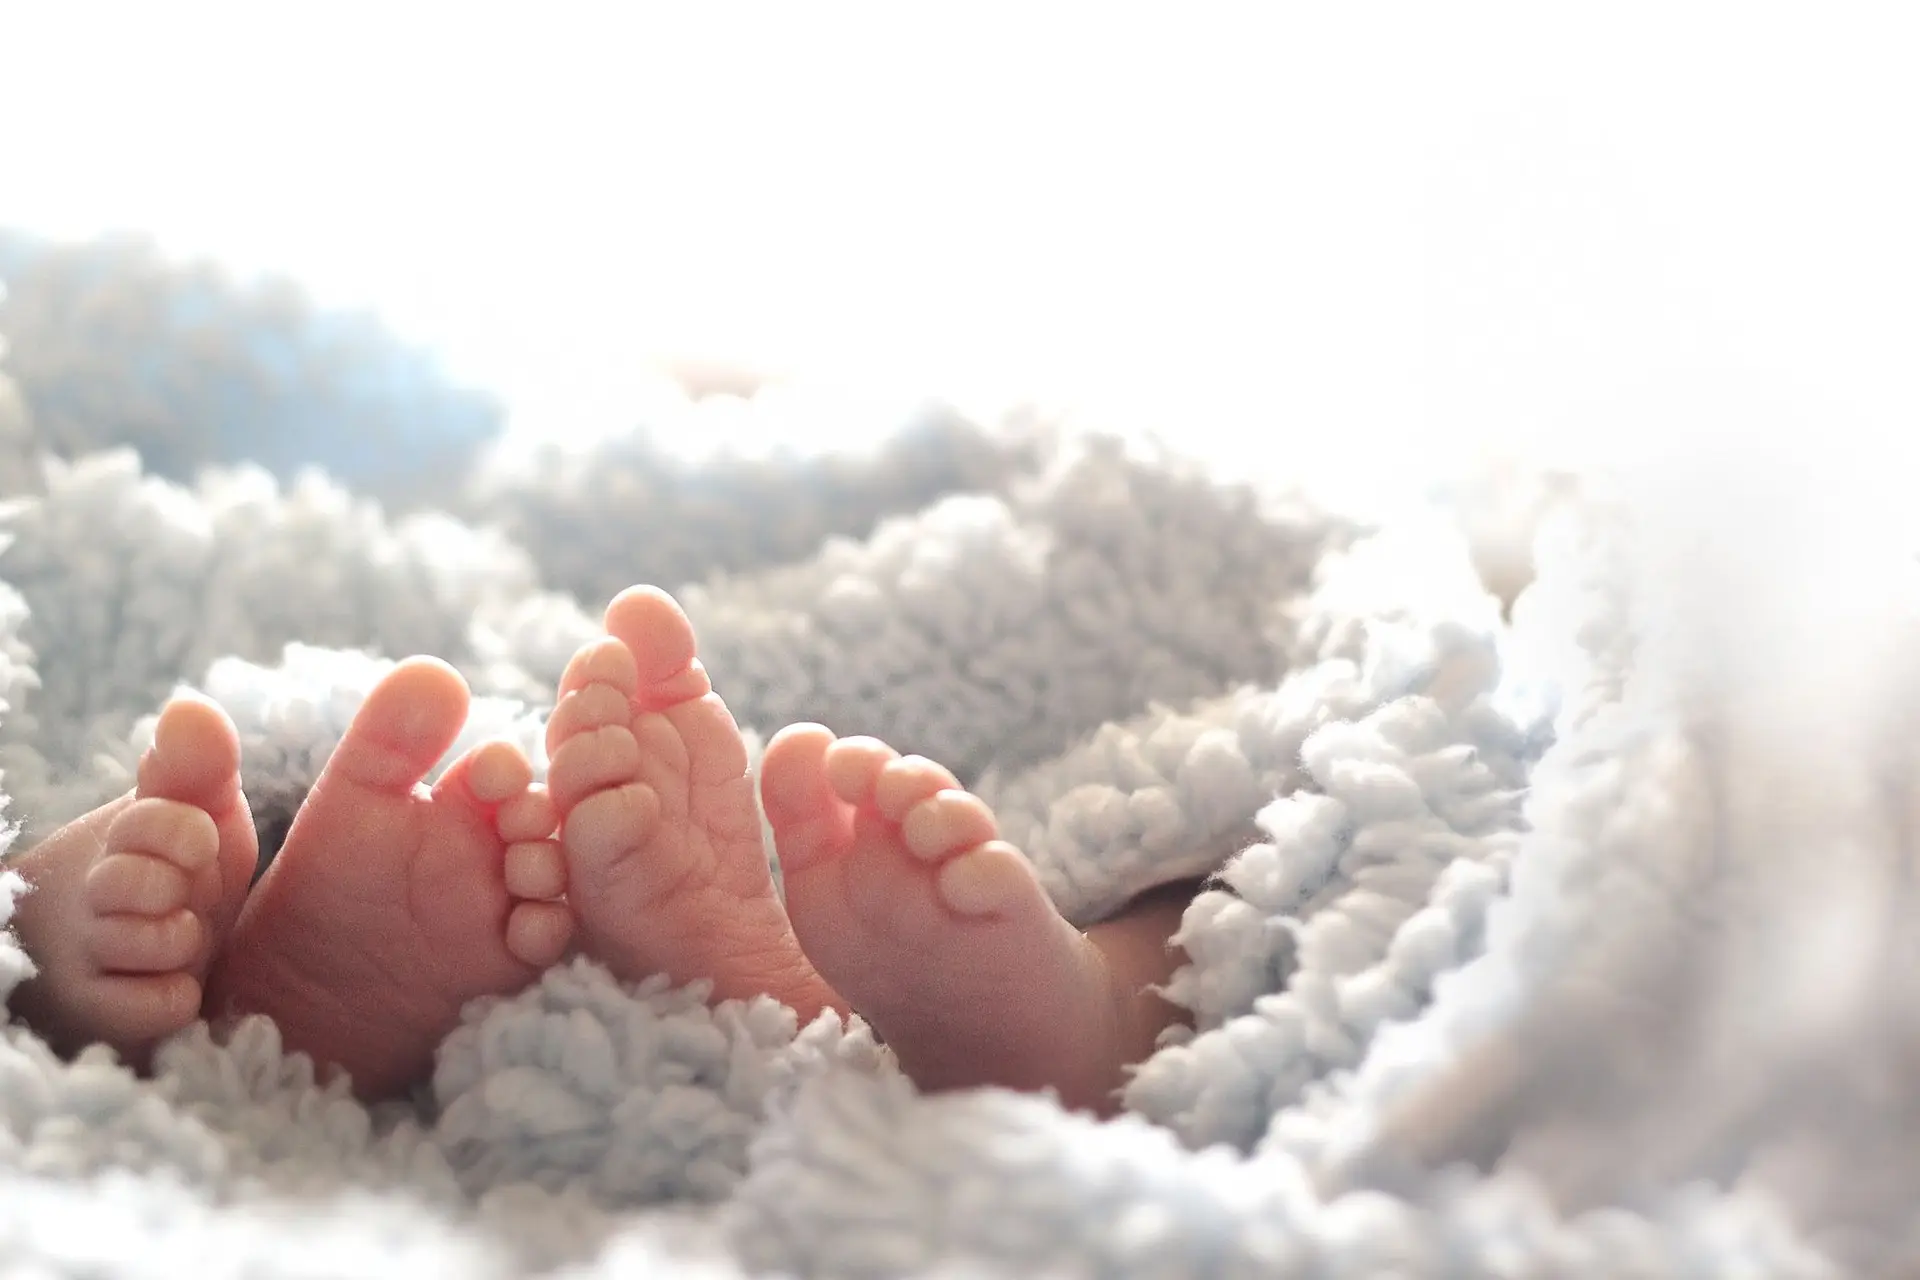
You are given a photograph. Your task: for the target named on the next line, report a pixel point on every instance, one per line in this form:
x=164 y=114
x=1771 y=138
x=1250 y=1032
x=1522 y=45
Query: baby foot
x=666 y=870
x=390 y=906
x=934 y=929
x=131 y=901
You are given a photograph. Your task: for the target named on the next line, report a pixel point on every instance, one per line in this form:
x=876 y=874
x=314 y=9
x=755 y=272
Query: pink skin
x=897 y=886
x=666 y=871
x=130 y=902
x=934 y=928
x=391 y=904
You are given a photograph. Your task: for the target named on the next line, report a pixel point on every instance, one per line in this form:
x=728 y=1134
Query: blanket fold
x=1434 y=845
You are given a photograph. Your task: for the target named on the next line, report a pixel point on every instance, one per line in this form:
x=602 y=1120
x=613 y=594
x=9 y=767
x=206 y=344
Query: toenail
x=946 y=820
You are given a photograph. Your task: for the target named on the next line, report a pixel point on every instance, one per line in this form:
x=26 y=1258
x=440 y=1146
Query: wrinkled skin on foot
x=131 y=902
x=906 y=903
x=665 y=865
x=935 y=929
x=389 y=906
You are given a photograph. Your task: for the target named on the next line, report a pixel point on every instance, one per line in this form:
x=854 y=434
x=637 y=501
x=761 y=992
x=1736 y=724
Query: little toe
x=605 y=661
x=947 y=822
x=146 y=944
x=135 y=884
x=539 y=933
x=907 y=781
x=490 y=774
x=658 y=633
x=172 y=830
x=528 y=816
x=592 y=762
x=853 y=766
x=987 y=881
x=610 y=823
x=535 y=869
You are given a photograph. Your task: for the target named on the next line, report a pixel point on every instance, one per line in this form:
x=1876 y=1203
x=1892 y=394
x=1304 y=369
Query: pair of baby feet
x=389 y=905
x=392 y=904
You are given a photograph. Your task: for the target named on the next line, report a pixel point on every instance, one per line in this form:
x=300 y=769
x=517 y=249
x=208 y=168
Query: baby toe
x=591 y=707
x=905 y=782
x=986 y=880
x=853 y=766
x=135 y=884
x=535 y=869
x=539 y=933
x=195 y=756
x=528 y=816
x=946 y=822
x=651 y=624
x=146 y=944
x=793 y=782
x=498 y=771
x=809 y=821
x=591 y=762
x=182 y=834
x=605 y=661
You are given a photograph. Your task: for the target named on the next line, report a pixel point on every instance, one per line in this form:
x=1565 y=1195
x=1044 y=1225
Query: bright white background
x=1388 y=230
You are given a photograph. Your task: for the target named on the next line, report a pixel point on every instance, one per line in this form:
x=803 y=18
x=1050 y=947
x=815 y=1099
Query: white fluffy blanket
x=1435 y=833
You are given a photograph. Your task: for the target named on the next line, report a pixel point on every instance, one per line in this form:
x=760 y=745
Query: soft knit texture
x=1425 y=828
x=112 y=344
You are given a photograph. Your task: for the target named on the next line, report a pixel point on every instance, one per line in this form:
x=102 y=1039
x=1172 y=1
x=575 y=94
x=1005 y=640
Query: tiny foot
x=935 y=929
x=132 y=901
x=391 y=905
x=666 y=869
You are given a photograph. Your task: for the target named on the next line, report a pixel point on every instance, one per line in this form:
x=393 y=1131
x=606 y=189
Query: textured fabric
x=1424 y=827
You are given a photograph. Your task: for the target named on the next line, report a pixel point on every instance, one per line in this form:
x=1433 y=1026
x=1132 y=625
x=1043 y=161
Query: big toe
x=408 y=722
x=657 y=631
x=810 y=823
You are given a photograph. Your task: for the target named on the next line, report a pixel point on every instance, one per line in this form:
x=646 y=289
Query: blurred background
x=1387 y=241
